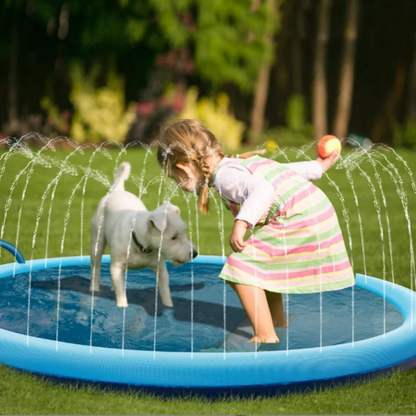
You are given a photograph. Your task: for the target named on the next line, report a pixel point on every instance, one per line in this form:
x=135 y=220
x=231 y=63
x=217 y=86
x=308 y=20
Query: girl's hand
x=327 y=162
x=237 y=242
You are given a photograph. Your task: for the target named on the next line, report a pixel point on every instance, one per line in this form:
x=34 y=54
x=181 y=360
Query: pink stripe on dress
x=290 y=274
x=280 y=250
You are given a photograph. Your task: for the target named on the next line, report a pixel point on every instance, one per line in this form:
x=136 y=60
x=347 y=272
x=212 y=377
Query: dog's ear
x=172 y=208
x=158 y=220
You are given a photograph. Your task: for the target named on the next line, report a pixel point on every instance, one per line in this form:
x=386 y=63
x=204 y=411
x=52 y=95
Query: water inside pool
x=196 y=322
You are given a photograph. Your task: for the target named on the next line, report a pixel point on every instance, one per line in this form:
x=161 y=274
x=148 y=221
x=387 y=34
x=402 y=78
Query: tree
x=297 y=31
x=13 y=75
x=262 y=85
x=411 y=111
x=319 y=88
x=13 y=9
x=343 y=109
x=16 y=11
x=387 y=117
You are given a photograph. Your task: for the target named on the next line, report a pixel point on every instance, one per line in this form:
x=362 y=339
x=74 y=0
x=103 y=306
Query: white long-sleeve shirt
x=236 y=183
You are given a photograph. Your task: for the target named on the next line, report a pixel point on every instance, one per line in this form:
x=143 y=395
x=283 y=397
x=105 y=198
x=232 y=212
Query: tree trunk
x=411 y=111
x=259 y=104
x=297 y=38
x=319 y=90
x=262 y=85
x=13 y=112
x=384 y=125
x=343 y=109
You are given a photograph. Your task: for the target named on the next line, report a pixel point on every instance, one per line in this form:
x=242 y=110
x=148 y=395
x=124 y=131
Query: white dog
x=137 y=238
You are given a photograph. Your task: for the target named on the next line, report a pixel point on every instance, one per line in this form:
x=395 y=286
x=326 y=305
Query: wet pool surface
x=207 y=315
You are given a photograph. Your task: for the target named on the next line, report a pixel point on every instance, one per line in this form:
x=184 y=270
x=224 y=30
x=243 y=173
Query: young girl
x=298 y=248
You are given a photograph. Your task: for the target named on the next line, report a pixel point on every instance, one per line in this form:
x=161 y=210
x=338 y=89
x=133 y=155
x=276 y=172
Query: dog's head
x=167 y=231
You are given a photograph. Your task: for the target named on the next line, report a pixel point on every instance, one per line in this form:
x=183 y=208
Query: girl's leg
x=255 y=304
x=275 y=302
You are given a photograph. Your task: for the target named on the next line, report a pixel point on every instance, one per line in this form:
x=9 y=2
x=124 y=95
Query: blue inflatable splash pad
x=51 y=324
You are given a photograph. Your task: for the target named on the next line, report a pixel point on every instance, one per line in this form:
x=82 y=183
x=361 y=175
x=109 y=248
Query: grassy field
x=46 y=203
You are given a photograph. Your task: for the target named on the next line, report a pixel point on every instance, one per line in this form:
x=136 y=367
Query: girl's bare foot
x=267 y=340
x=282 y=323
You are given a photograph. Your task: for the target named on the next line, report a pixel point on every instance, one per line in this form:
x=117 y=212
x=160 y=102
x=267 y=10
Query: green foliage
x=58 y=122
x=135 y=29
x=99 y=112
x=405 y=136
x=46 y=9
x=229 y=40
x=103 y=25
x=42 y=10
x=106 y=24
x=296 y=113
x=285 y=137
x=169 y=13
x=113 y=30
x=224 y=53
x=226 y=43
x=14 y=4
x=214 y=115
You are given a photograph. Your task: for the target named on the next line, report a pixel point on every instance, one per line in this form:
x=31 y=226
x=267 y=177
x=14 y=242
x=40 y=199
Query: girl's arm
x=255 y=194
x=312 y=170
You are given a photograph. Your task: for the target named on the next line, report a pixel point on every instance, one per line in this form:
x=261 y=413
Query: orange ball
x=327 y=145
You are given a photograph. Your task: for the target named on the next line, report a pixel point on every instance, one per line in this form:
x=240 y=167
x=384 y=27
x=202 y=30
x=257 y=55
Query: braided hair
x=188 y=141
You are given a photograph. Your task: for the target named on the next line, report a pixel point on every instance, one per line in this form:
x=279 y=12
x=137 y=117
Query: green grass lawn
x=55 y=194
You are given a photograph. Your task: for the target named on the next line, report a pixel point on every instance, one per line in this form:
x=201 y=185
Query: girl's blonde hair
x=188 y=141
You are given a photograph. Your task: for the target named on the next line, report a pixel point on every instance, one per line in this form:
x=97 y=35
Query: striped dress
x=299 y=246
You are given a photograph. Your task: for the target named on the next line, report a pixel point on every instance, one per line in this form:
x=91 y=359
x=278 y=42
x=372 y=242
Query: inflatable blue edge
x=199 y=371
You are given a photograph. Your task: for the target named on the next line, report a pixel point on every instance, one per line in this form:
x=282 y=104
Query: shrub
x=285 y=137
x=214 y=115
x=57 y=122
x=100 y=113
x=405 y=136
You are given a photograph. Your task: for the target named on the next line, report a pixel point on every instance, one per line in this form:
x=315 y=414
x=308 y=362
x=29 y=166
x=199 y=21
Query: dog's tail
x=122 y=174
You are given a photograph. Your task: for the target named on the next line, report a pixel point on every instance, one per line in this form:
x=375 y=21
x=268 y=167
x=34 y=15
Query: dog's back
x=118 y=199
x=118 y=202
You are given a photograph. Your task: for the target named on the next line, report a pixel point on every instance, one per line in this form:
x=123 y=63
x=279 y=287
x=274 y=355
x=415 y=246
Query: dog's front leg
x=163 y=283
x=117 y=277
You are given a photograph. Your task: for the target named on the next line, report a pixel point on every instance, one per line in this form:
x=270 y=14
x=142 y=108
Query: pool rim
x=207 y=369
